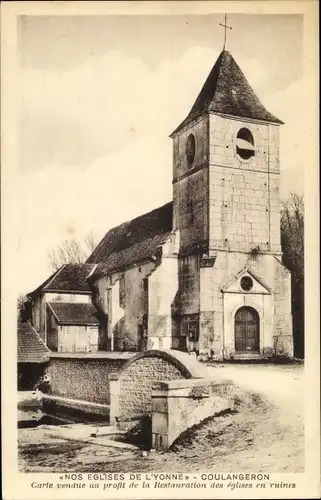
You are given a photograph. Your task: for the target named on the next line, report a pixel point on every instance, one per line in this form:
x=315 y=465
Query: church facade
x=204 y=273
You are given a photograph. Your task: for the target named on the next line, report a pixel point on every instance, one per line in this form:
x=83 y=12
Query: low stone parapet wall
x=177 y=405
x=85 y=376
x=131 y=387
x=74 y=410
x=169 y=388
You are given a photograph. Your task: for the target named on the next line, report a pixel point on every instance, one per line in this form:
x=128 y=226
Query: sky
x=99 y=97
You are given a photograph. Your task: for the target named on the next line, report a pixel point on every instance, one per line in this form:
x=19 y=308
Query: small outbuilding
x=33 y=356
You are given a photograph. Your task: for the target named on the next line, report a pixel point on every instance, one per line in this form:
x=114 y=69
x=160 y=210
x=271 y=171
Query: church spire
x=227 y=91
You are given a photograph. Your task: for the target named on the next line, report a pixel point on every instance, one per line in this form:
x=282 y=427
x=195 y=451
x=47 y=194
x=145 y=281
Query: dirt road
x=264 y=434
x=277 y=442
x=280 y=383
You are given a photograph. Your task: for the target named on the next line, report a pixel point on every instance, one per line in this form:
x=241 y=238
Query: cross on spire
x=225 y=26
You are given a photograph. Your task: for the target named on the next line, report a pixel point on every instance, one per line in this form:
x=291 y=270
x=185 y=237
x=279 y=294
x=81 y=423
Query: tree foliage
x=292 y=240
x=22 y=308
x=72 y=251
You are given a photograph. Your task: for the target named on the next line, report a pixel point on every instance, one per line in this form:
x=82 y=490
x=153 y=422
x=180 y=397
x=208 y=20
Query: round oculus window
x=246 y=283
x=190 y=149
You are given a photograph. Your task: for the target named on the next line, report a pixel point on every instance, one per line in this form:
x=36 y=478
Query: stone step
x=107 y=436
x=85 y=432
x=247 y=357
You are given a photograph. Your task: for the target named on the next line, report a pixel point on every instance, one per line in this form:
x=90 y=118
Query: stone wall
x=189 y=299
x=225 y=206
x=283 y=338
x=177 y=405
x=202 y=301
x=136 y=384
x=121 y=297
x=200 y=129
x=221 y=198
x=222 y=139
x=139 y=300
x=83 y=377
x=162 y=297
x=274 y=309
x=240 y=211
x=244 y=195
x=190 y=185
x=131 y=389
x=189 y=283
x=191 y=207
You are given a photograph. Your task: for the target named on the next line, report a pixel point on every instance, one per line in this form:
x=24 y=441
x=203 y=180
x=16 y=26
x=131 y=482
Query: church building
x=204 y=272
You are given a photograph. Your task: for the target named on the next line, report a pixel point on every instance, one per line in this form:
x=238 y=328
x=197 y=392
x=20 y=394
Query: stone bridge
x=169 y=387
x=163 y=391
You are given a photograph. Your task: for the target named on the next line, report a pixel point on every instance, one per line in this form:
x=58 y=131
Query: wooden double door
x=247 y=330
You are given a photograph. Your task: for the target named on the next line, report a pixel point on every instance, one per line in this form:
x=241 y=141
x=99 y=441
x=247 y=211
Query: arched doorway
x=247 y=330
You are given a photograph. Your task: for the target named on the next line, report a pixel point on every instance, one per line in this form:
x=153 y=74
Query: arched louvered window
x=245 y=144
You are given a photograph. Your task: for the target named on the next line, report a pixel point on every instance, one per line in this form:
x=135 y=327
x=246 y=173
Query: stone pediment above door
x=246 y=282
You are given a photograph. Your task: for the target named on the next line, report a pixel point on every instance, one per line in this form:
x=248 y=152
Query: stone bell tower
x=226 y=207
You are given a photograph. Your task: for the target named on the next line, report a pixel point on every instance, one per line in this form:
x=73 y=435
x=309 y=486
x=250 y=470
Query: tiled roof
x=70 y=277
x=134 y=240
x=74 y=314
x=31 y=348
x=227 y=91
